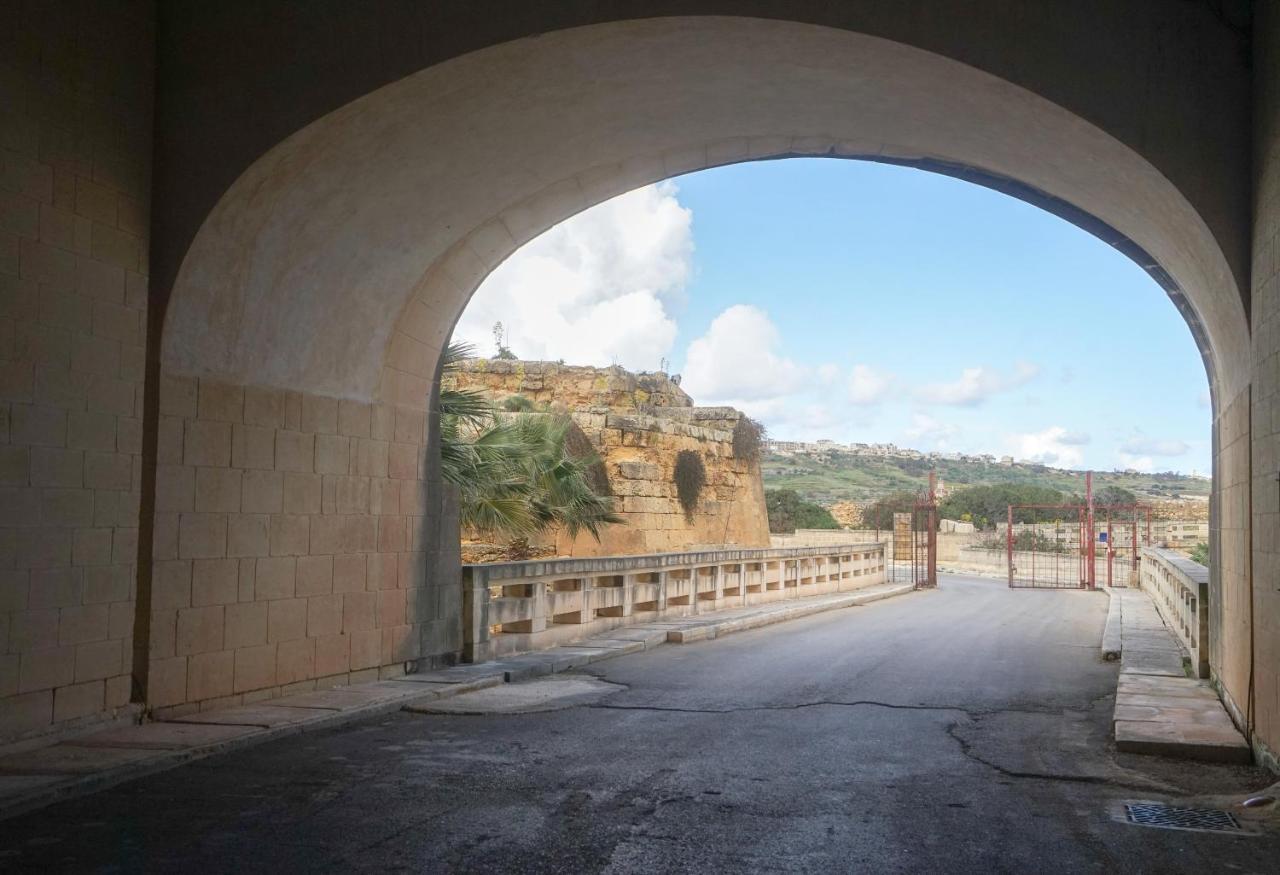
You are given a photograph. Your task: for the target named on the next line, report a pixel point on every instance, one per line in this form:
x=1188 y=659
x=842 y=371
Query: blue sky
x=866 y=302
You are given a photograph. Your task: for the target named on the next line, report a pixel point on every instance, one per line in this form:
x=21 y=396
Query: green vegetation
x=1200 y=553
x=518 y=475
x=690 y=477
x=846 y=477
x=788 y=512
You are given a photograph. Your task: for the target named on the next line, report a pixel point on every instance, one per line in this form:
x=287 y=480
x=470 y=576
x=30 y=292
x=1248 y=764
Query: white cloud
x=828 y=374
x=597 y=289
x=1204 y=399
x=1054 y=446
x=976 y=385
x=1145 y=446
x=868 y=385
x=925 y=428
x=737 y=363
x=1137 y=463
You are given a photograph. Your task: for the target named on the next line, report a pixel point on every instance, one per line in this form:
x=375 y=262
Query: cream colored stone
x=333 y=454
x=217 y=490
x=286 y=620
x=199 y=630
x=207 y=444
x=295 y=660
x=348 y=573
x=255 y=668
x=248 y=534
x=290 y=535
x=274 y=578
x=319 y=415
x=210 y=675
x=214 y=582
x=302 y=493
x=220 y=401
x=262 y=492
x=295 y=451
x=314 y=575
x=324 y=615
x=253 y=447
x=245 y=625
x=202 y=536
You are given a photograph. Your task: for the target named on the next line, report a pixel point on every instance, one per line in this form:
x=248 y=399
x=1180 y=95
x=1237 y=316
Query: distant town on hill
x=826 y=471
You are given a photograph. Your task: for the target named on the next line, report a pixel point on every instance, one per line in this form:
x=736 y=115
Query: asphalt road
x=963 y=730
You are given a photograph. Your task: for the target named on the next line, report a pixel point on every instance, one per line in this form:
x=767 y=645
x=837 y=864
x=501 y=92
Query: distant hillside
x=838 y=476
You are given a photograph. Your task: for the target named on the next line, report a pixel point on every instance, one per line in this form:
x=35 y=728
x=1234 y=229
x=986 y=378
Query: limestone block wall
x=639 y=452
x=570 y=387
x=76 y=85
x=1249 y=442
x=288 y=545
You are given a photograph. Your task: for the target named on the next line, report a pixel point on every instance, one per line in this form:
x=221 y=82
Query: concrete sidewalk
x=33 y=778
x=1159 y=709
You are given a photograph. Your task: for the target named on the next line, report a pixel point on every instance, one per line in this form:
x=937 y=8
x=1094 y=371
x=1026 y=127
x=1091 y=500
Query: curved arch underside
x=339 y=262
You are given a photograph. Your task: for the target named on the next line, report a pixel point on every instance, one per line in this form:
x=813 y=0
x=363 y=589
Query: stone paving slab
x=1214 y=744
x=37 y=777
x=1158 y=709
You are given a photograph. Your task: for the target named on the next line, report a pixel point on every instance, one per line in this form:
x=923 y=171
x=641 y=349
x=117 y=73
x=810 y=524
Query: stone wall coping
x=603 y=565
x=1190 y=569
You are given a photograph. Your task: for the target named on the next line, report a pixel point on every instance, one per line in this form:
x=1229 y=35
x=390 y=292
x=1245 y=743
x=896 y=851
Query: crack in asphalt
x=819 y=703
x=966 y=747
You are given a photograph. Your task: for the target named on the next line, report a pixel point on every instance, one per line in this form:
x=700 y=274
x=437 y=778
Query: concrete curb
x=714 y=629
x=1113 y=632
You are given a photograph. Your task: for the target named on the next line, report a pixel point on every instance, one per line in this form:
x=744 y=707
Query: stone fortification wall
x=570 y=387
x=638 y=423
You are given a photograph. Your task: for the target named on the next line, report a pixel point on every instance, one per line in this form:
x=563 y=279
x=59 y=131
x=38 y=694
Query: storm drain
x=1171 y=817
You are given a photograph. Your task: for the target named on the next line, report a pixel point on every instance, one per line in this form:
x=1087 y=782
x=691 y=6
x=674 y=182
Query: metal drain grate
x=1169 y=817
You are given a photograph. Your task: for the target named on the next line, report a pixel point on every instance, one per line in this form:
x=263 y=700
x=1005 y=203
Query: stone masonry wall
x=638 y=423
x=570 y=387
x=1252 y=679
x=639 y=454
x=288 y=547
x=76 y=85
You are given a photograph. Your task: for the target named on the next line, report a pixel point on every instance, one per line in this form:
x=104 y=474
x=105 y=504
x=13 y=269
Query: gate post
x=1008 y=539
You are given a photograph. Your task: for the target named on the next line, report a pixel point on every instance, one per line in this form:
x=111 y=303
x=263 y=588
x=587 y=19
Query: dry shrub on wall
x=690 y=477
x=748 y=439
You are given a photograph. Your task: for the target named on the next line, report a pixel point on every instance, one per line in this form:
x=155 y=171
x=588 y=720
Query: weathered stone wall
x=570 y=387
x=76 y=84
x=638 y=423
x=639 y=452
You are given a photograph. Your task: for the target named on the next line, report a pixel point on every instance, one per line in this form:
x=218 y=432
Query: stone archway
x=306 y=321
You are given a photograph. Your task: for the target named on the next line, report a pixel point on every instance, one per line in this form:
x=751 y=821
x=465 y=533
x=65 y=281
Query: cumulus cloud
x=1204 y=399
x=976 y=385
x=1053 y=446
x=737 y=363
x=1145 y=446
x=1137 y=463
x=868 y=385
x=600 y=288
x=930 y=430
x=828 y=374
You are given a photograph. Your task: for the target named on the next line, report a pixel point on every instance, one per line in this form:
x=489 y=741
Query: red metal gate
x=1123 y=531
x=1056 y=546
x=1047 y=546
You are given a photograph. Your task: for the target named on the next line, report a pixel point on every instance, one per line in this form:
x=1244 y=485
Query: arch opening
x=317 y=296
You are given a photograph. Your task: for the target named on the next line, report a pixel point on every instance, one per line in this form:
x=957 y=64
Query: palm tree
x=514 y=474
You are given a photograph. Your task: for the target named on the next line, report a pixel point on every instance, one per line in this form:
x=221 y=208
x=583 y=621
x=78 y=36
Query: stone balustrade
x=515 y=607
x=1180 y=590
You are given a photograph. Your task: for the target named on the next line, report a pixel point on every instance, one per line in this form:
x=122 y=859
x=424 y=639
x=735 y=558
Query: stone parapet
x=1179 y=588
x=514 y=607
